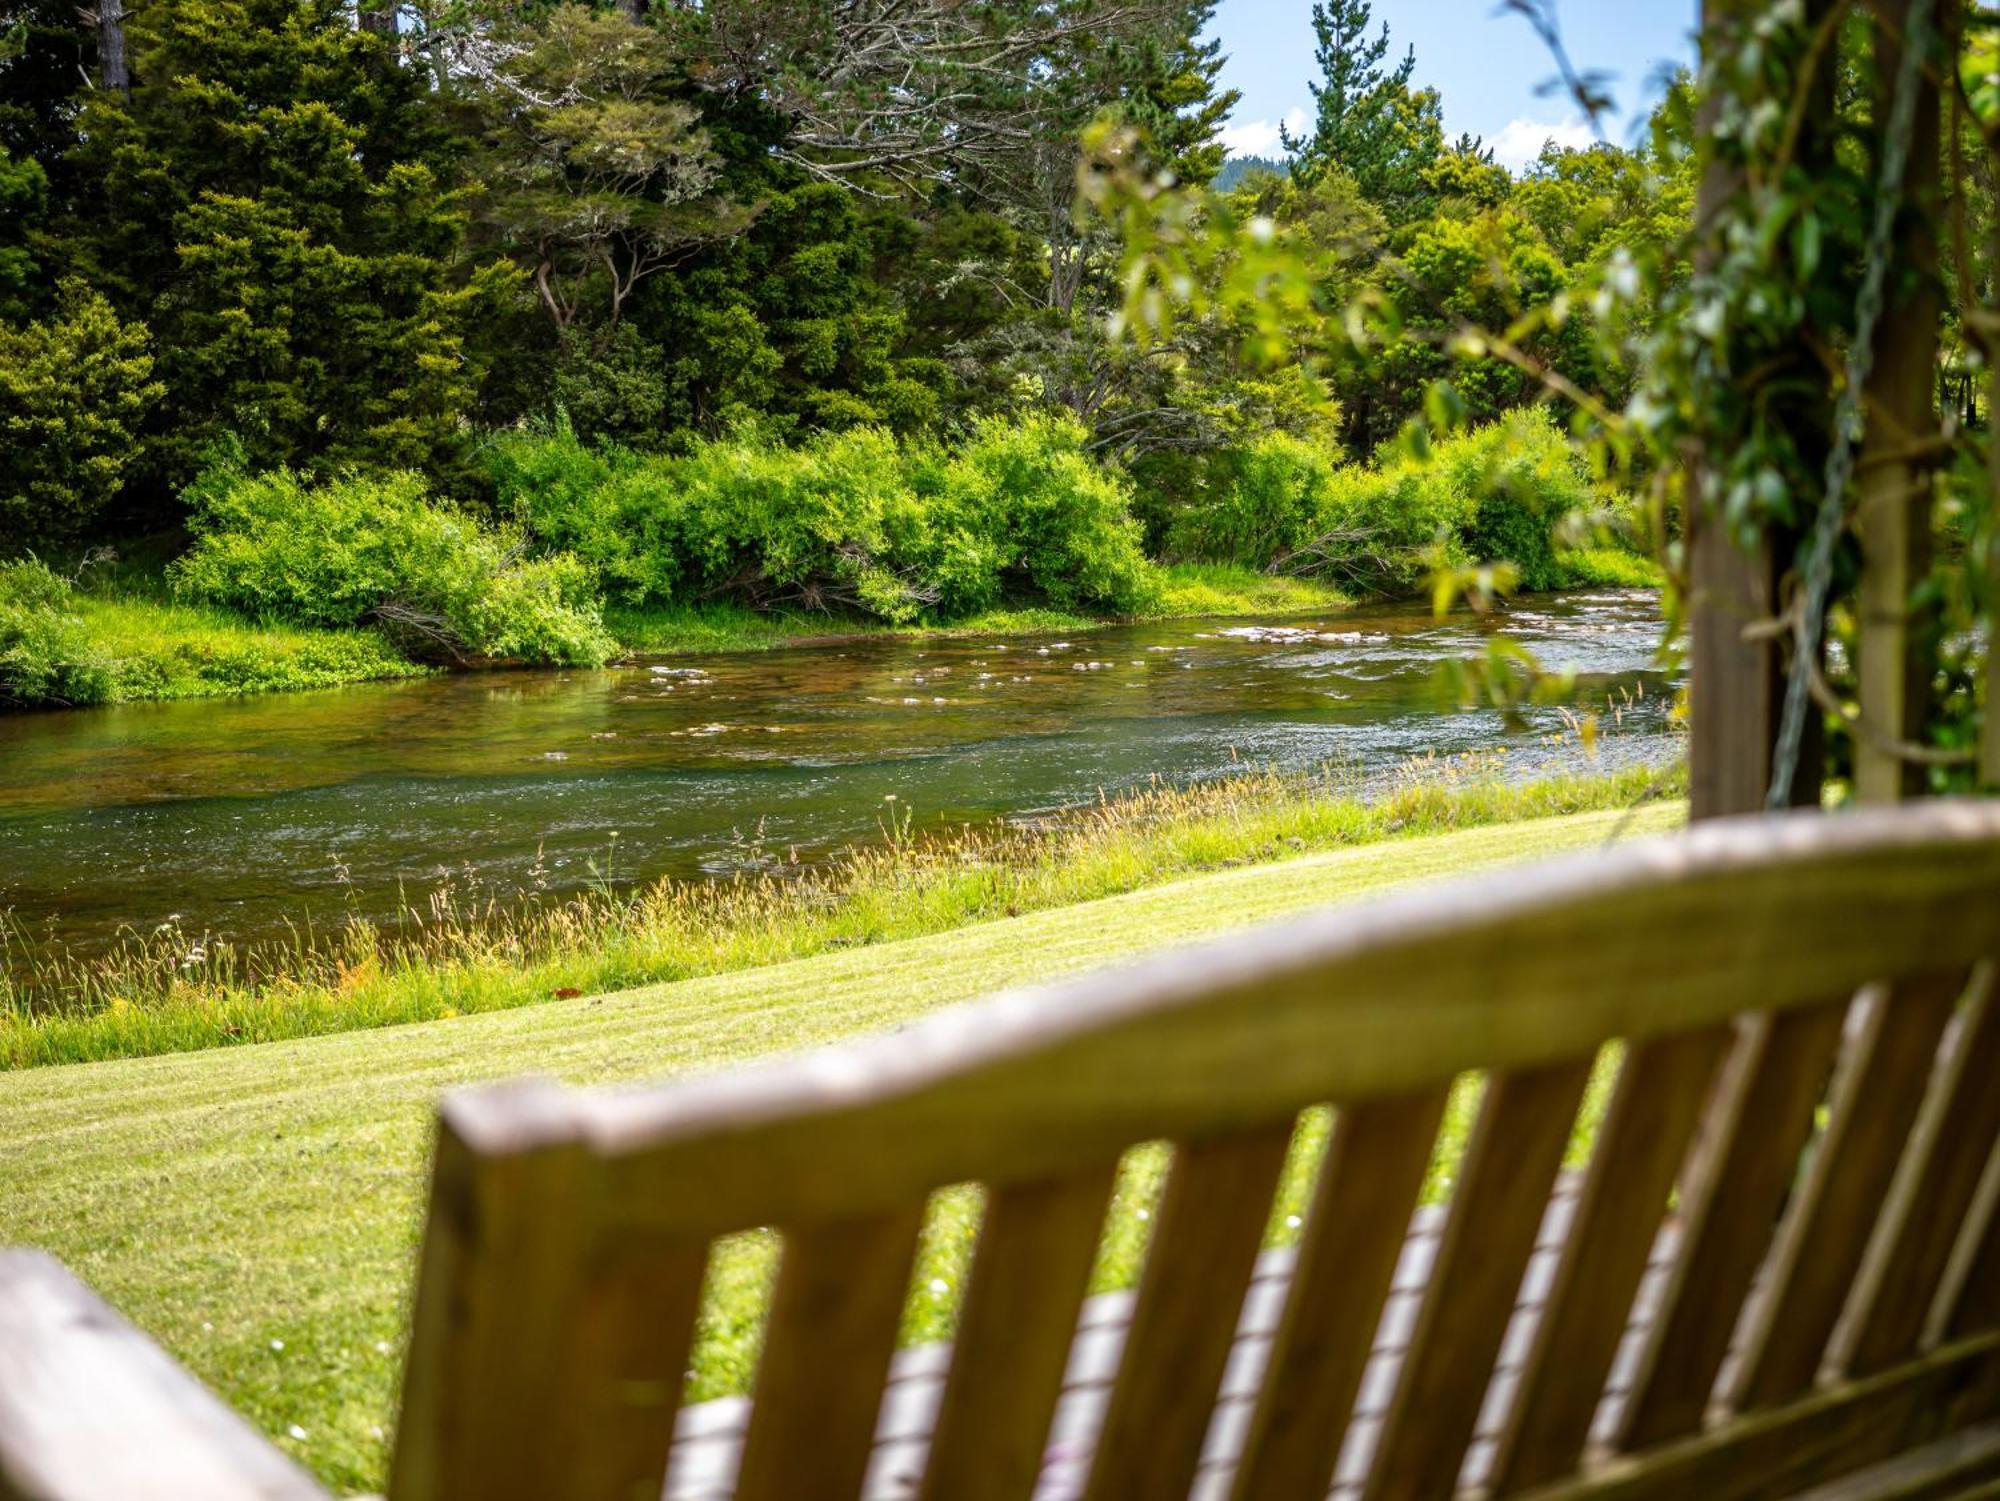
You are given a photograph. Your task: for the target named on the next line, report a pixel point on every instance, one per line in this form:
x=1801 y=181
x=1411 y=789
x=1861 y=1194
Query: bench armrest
x=92 y=1410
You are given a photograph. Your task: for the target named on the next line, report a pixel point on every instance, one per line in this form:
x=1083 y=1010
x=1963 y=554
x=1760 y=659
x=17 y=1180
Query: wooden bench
x=1779 y=1273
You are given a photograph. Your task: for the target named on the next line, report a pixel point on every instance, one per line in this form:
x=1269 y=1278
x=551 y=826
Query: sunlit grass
x=455 y=953
x=163 y=650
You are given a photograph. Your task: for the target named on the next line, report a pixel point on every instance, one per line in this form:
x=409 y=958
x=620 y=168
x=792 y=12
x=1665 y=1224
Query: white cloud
x=1260 y=137
x=1520 y=141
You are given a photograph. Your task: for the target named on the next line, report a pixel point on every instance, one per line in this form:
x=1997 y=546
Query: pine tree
x=1171 y=95
x=1370 y=122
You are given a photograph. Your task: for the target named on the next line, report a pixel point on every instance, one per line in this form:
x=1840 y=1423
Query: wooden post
x=1893 y=475
x=1989 y=738
x=1736 y=686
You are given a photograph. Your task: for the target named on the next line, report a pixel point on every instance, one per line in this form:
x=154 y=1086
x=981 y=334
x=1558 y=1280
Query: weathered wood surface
x=91 y=1410
x=1373 y=1009
x=1353 y=1004
x=1531 y=1341
x=1369 y=1180
x=1036 y=1248
x=827 y=1346
x=1759 y=1122
x=1661 y=1088
x=1497 y=1208
x=1211 y=1222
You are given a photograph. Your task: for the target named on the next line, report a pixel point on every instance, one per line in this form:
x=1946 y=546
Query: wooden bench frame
x=569 y=1231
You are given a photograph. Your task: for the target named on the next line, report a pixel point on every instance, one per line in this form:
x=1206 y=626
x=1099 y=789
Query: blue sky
x=1486 y=65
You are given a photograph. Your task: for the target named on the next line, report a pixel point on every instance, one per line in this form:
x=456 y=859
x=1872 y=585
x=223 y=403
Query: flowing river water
x=243 y=818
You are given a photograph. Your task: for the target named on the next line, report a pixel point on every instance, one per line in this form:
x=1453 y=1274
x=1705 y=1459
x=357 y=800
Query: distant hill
x=1239 y=167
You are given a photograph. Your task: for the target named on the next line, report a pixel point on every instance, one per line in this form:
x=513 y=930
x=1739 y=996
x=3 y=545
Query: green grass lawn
x=256 y=1208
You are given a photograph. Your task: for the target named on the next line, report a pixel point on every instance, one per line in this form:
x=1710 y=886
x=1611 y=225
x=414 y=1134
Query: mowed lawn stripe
x=256 y=1208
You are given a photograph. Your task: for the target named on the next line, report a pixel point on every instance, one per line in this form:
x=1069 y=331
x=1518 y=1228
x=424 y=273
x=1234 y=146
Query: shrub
x=1271 y=496
x=855 y=519
x=1524 y=478
x=1026 y=495
x=73 y=391
x=46 y=657
x=1496 y=493
x=358 y=549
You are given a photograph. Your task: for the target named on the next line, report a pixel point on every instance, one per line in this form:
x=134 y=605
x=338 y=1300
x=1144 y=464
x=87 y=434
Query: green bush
x=46 y=657
x=856 y=520
x=1267 y=506
x=1496 y=493
x=360 y=549
x=1524 y=478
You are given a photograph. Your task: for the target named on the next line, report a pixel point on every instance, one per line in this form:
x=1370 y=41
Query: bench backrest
x=569 y=1232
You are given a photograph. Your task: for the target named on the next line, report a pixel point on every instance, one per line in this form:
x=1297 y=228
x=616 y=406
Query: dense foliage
x=45 y=655
x=377 y=549
x=899 y=530
x=507 y=311
x=1503 y=491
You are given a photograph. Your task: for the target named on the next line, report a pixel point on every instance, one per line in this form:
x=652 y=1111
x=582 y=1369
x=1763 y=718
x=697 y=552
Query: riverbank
x=138 y=643
x=280 y=1187
x=170 y=991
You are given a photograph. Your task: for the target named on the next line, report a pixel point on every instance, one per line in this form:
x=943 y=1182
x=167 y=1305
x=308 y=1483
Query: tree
x=598 y=177
x=1368 y=121
x=74 y=390
x=279 y=208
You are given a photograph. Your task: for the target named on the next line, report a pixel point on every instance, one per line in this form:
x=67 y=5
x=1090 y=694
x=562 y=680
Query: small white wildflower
x=297 y=1432
x=1145 y=1214
x=939 y=1286
x=277 y=1344
x=1292 y=1222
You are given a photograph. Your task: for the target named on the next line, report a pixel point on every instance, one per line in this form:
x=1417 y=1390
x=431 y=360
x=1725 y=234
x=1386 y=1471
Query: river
x=243 y=818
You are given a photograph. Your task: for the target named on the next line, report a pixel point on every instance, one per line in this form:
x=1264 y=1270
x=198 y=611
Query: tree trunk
x=113 y=71
x=377 y=19
x=1736 y=682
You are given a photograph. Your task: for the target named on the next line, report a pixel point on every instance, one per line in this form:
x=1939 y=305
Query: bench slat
x=1212 y=1217
x=1969 y=1300
x=834 y=1316
x=1641 y=1145
x=1928 y=1203
x=1365 y=1002
x=1368 y=1186
x=628 y=1354
x=1876 y=1096
x=1759 y=1122
x=1496 y=1211
x=1036 y=1248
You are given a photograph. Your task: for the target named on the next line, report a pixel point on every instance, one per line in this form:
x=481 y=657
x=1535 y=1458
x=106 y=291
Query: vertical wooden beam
x=1489 y=1233
x=1368 y=1186
x=1893 y=476
x=1028 y=1281
x=1736 y=686
x=834 y=1315
x=1989 y=739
